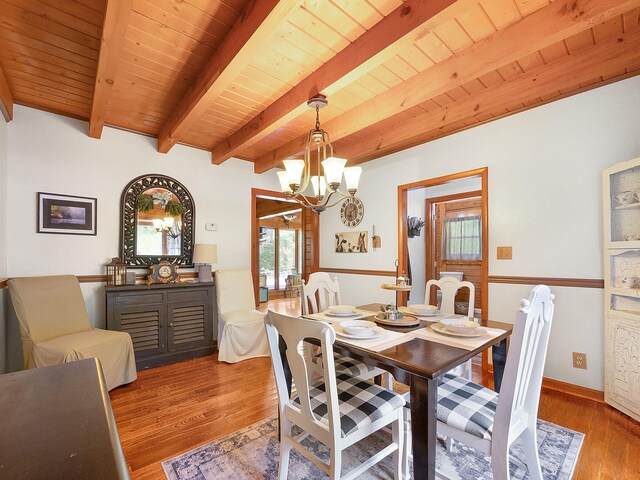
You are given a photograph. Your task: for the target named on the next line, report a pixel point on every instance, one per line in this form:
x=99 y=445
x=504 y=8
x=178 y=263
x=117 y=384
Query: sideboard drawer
x=135 y=298
x=188 y=295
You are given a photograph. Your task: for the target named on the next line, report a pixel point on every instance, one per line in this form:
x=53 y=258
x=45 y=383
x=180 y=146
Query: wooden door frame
x=313 y=226
x=403 y=247
x=430 y=239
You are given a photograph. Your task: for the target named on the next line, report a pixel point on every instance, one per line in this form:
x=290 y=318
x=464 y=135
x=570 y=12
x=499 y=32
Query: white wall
x=50 y=153
x=417 y=246
x=544 y=194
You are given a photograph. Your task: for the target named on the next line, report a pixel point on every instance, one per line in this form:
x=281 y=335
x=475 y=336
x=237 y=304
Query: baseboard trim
x=571 y=389
x=568 y=388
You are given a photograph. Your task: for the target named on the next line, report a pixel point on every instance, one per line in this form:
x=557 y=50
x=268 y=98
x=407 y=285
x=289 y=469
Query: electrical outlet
x=579 y=360
x=504 y=253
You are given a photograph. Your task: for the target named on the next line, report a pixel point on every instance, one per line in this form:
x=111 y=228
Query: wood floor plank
x=172 y=409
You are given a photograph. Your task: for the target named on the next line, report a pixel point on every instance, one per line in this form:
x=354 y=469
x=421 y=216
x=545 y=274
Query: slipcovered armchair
x=55 y=329
x=241 y=333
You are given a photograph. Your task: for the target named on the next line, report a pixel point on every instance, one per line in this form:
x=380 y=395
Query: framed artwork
x=66 y=214
x=352 y=242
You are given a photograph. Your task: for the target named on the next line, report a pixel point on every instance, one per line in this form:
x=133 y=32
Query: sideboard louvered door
x=167 y=323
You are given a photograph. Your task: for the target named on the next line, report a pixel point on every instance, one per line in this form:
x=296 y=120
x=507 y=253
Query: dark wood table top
x=56 y=423
x=419 y=356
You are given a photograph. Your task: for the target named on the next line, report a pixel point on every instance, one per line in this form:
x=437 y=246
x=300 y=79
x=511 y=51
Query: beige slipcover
x=241 y=332
x=55 y=328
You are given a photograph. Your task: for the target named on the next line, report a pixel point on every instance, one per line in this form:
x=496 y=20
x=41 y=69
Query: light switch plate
x=211 y=227
x=505 y=253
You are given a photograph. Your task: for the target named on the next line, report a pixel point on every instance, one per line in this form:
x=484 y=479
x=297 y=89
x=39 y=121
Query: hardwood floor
x=170 y=410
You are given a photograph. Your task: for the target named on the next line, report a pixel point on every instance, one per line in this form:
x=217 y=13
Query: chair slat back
x=449 y=287
x=293 y=331
x=234 y=289
x=520 y=392
x=320 y=292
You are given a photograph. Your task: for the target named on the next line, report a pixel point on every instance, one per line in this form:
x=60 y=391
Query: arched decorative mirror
x=157 y=222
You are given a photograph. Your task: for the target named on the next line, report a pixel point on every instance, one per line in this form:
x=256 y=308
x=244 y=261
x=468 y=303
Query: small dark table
x=420 y=363
x=57 y=423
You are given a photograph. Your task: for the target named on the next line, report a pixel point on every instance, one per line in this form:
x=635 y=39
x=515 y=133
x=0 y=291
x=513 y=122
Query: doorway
x=284 y=242
x=459 y=186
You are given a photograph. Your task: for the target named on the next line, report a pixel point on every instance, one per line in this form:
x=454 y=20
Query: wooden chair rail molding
x=551 y=281
x=103 y=278
x=379 y=273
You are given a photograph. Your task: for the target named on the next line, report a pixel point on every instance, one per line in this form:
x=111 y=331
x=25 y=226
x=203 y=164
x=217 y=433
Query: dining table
x=418 y=356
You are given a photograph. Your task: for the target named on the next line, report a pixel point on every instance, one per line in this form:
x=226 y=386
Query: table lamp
x=204 y=254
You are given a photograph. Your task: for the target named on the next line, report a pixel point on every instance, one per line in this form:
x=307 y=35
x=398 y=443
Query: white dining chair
x=449 y=286
x=319 y=293
x=338 y=410
x=240 y=332
x=491 y=422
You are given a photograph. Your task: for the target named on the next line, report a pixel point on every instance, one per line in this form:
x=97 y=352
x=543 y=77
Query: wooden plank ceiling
x=233 y=76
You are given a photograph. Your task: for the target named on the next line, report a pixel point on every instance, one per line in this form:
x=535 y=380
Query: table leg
x=424 y=398
x=499 y=355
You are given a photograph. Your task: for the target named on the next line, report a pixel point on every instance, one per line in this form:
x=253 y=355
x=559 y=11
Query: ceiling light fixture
x=297 y=174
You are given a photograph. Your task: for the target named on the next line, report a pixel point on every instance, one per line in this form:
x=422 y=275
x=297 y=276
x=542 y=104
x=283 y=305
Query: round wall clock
x=352 y=211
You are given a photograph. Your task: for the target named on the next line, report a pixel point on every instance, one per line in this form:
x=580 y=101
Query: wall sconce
x=204 y=255
x=116 y=272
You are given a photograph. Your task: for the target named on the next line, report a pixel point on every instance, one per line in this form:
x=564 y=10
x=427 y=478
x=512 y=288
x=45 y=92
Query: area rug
x=252 y=453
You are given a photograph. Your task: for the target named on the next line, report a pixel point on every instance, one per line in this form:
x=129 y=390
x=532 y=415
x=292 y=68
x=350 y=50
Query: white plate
x=379 y=333
x=351 y=315
x=409 y=321
x=408 y=311
x=341 y=309
x=439 y=328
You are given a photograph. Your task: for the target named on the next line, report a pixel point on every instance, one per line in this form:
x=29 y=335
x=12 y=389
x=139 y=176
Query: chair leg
x=398 y=438
x=449 y=443
x=530 y=444
x=285 y=449
x=406 y=450
x=335 y=467
x=500 y=462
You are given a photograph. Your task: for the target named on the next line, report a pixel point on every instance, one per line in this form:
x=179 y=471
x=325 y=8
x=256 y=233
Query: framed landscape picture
x=66 y=214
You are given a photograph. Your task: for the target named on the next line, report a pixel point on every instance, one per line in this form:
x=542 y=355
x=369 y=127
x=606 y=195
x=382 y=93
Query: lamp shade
x=333 y=168
x=205 y=253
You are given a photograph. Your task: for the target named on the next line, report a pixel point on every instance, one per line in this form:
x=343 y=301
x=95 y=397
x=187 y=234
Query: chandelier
x=168 y=225
x=296 y=177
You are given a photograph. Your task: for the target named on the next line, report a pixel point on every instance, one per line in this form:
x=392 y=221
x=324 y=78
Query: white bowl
x=361 y=328
x=459 y=325
x=420 y=308
x=341 y=309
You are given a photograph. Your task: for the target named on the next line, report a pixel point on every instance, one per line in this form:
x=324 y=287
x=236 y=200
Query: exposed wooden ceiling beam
x=369 y=50
x=6 y=98
x=611 y=56
x=116 y=20
x=254 y=28
x=550 y=24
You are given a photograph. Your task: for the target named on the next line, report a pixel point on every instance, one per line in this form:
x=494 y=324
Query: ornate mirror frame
x=128 y=221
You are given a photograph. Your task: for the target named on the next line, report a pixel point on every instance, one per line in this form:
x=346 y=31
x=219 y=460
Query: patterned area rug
x=252 y=453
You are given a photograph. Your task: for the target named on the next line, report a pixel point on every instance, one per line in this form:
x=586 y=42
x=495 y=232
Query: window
x=280 y=255
x=462 y=239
